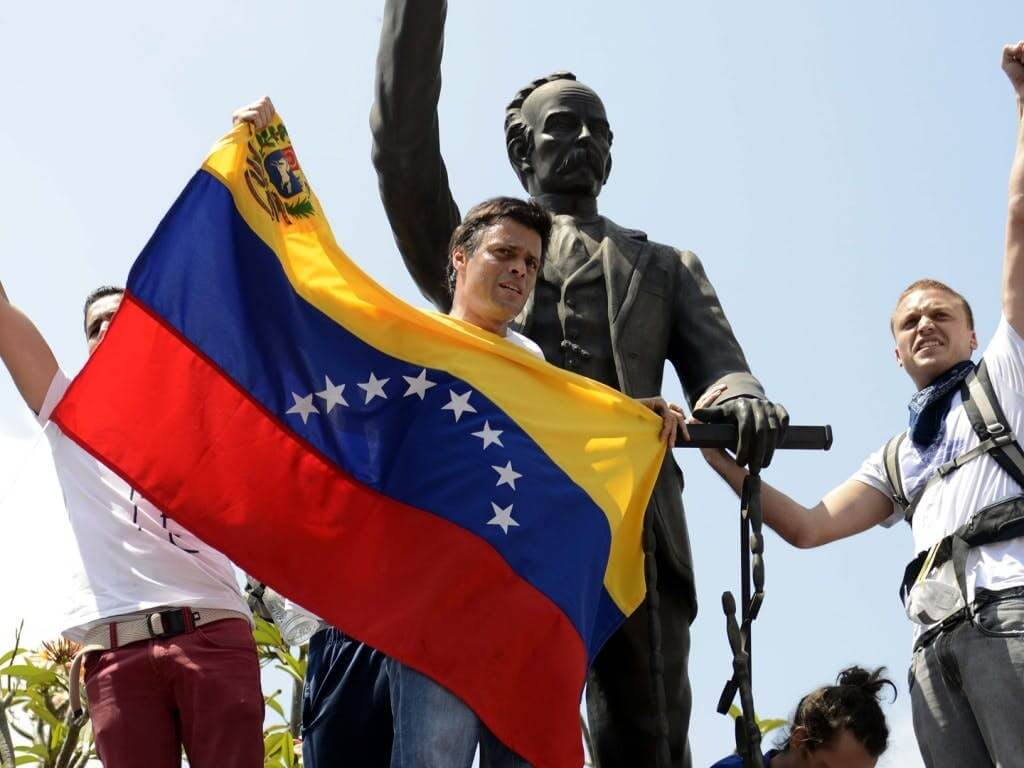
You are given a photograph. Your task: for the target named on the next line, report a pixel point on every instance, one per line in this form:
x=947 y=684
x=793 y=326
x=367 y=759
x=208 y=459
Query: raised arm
x=406 y=141
x=1013 y=264
x=25 y=353
x=849 y=509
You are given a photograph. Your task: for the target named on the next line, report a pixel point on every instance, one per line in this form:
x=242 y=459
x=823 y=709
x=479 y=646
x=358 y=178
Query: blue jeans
x=346 y=708
x=434 y=729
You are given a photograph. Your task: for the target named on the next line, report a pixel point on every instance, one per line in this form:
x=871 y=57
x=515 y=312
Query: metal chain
x=748 y=733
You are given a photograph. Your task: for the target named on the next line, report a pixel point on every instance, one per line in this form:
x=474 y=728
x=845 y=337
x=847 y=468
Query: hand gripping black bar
x=798 y=438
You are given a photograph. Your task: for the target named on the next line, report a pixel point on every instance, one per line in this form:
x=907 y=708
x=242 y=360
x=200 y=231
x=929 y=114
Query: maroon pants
x=199 y=690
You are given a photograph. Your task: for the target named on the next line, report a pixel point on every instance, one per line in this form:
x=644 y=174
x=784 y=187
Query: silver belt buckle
x=155 y=624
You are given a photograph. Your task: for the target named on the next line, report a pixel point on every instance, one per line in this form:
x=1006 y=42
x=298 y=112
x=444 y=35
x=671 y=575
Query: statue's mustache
x=580 y=156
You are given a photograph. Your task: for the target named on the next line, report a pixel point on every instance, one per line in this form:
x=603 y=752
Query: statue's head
x=558 y=138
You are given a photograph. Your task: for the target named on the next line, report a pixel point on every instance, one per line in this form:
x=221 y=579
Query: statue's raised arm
x=406 y=143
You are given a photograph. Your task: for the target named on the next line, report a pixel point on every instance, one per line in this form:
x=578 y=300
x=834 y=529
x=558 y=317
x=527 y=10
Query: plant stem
x=6 y=742
x=295 y=716
x=67 y=750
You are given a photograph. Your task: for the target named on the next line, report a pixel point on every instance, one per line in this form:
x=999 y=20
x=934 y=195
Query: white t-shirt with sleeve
x=132 y=557
x=525 y=342
x=949 y=504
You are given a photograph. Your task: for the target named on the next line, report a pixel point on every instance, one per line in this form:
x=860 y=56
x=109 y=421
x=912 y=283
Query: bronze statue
x=610 y=305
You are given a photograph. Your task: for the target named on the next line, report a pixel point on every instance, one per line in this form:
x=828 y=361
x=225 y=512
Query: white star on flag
x=332 y=394
x=489 y=436
x=507 y=475
x=418 y=385
x=374 y=387
x=303 y=407
x=459 y=404
x=503 y=518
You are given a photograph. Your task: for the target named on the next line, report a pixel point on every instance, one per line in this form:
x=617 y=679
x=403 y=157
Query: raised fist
x=1013 y=66
x=259 y=113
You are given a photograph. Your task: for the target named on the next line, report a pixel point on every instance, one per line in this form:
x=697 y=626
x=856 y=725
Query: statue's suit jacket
x=661 y=305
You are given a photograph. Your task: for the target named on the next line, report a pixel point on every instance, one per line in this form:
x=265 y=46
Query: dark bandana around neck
x=928 y=408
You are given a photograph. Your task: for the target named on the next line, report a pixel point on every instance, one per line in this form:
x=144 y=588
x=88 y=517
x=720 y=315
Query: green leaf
x=769 y=725
x=272 y=702
x=11 y=654
x=273 y=745
x=36 y=750
x=44 y=714
x=291 y=665
x=302 y=209
x=31 y=674
x=266 y=634
x=765 y=726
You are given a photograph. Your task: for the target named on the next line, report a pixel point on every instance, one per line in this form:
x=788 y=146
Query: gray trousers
x=967 y=688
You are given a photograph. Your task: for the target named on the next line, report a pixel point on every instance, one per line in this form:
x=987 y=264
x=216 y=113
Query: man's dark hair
x=466 y=236
x=926 y=284
x=852 y=704
x=518 y=137
x=99 y=293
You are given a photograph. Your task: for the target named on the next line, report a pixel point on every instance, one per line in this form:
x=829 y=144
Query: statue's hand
x=259 y=114
x=760 y=423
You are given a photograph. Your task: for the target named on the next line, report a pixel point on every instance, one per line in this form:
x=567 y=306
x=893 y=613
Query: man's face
x=932 y=334
x=493 y=284
x=845 y=752
x=97 y=318
x=571 y=139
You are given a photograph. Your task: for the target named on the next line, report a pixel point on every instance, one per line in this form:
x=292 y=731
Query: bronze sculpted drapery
x=609 y=304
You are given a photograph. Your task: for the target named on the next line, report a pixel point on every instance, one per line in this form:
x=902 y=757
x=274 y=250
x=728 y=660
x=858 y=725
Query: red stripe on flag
x=405 y=581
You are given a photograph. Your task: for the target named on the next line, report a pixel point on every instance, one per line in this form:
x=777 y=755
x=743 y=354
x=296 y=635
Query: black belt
x=982 y=598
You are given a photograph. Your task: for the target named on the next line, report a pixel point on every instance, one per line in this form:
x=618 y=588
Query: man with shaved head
x=608 y=304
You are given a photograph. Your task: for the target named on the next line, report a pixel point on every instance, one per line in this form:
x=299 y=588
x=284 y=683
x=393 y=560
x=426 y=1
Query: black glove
x=760 y=423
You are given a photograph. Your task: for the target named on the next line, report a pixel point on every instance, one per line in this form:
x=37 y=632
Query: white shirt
x=133 y=558
x=525 y=342
x=952 y=502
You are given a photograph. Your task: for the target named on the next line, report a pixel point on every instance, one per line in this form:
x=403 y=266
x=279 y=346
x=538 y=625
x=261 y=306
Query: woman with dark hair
x=837 y=726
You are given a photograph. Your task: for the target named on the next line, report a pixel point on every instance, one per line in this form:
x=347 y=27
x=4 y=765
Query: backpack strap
x=893 y=473
x=990 y=423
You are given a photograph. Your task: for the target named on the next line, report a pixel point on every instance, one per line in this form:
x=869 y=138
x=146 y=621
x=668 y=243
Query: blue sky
x=817 y=156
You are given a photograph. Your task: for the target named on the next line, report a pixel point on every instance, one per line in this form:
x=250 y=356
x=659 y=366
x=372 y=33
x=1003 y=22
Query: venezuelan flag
x=424 y=485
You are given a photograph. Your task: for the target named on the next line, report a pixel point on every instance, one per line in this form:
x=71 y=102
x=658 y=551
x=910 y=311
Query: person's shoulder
x=1004 y=357
x=515 y=337
x=54 y=394
x=732 y=761
x=1005 y=339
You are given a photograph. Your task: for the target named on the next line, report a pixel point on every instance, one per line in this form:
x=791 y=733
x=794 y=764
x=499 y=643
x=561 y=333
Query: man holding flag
x=416 y=479
x=495 y=255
